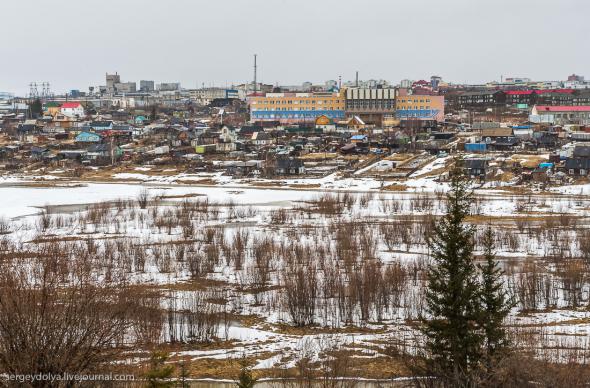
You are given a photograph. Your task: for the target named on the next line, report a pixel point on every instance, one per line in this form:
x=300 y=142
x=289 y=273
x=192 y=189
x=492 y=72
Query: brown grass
x=395 y=187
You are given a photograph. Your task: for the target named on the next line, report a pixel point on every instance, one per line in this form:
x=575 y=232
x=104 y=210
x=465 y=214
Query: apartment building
x=421 y=107
x=296 y=108
x=370 y=104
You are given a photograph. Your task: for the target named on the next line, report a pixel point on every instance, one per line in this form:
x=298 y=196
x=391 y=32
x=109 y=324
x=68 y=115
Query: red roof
x=421 y=82
x=527 y=92
x=518 y=92
x=563 y=91
x=557 y=108
x=71 y=105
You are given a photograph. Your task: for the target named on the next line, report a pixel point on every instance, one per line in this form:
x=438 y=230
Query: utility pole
x=112 y=151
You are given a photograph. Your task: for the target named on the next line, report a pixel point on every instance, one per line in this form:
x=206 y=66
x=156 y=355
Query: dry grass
x=400 y=157
x=306 y=186
x=319 y=156
x=395 y=187
x=528 y=161
x=315 y=330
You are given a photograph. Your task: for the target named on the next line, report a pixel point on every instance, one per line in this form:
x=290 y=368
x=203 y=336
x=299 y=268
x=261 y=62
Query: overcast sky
x=72 y=43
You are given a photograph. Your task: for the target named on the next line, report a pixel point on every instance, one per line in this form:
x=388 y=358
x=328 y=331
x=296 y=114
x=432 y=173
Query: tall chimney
x=255 y=74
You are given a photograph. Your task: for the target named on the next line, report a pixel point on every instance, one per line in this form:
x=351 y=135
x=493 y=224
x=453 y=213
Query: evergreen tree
x=36 y=108
x=495 y=304
x=159 y=372
x=183 y=374
x=452 y=336
x=154 y=113
x=245 y=379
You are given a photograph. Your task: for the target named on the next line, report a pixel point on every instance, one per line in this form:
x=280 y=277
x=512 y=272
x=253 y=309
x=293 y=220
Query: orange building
x=294 y=108
x=420 y=107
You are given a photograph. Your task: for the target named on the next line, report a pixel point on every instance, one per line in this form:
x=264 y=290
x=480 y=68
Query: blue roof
x=358 y=137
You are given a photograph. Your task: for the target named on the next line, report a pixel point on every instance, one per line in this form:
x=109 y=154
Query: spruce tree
x=452 y=336
x=159 y=373
x=36 y=108
x=495 y=304
x=245 y=379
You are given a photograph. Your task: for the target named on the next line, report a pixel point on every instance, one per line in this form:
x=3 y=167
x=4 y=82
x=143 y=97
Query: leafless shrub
x=365 y=198
x=574 y=277
x=279 y=216
x=528 y=286
x=300 y=292
x=4 y=226
x=44 y=221
x=51 y=326
x=148 y=318
x=192 y=318
x=261 y=267
x=143 y=198
x=584 y=244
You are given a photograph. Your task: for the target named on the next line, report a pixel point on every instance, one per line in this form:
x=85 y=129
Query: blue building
x=88 y=137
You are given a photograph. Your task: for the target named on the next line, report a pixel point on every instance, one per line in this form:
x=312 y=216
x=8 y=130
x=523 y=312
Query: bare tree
x=54 y=318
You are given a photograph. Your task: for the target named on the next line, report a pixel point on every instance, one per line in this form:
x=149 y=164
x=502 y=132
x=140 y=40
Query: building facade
x=169 y=86
x=421 y=107
x=72 y=109
x=560 y=115
x=125 y=87
x=111 y=80
x=296 y=108
x=481 y=99
x=146 y=86
x=371 y=105
x=206 y=95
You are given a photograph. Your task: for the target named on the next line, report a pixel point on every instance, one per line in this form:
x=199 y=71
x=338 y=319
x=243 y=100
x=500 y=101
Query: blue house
x=102 y=125
x=359 y=139
x=139 y=120
x=88 y=137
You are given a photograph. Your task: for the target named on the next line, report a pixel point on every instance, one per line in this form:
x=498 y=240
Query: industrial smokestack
x=357 y=80
x=255 y=74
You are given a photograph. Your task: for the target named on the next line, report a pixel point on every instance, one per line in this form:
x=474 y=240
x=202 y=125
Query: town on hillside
x=514 y=132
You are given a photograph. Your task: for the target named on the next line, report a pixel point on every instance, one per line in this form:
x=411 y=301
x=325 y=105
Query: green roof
x=52 y=104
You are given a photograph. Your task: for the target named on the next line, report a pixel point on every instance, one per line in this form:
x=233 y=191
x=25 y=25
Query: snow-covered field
x=356 y=241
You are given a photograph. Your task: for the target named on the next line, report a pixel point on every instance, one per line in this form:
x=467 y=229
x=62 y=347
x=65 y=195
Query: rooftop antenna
x=255 y=74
